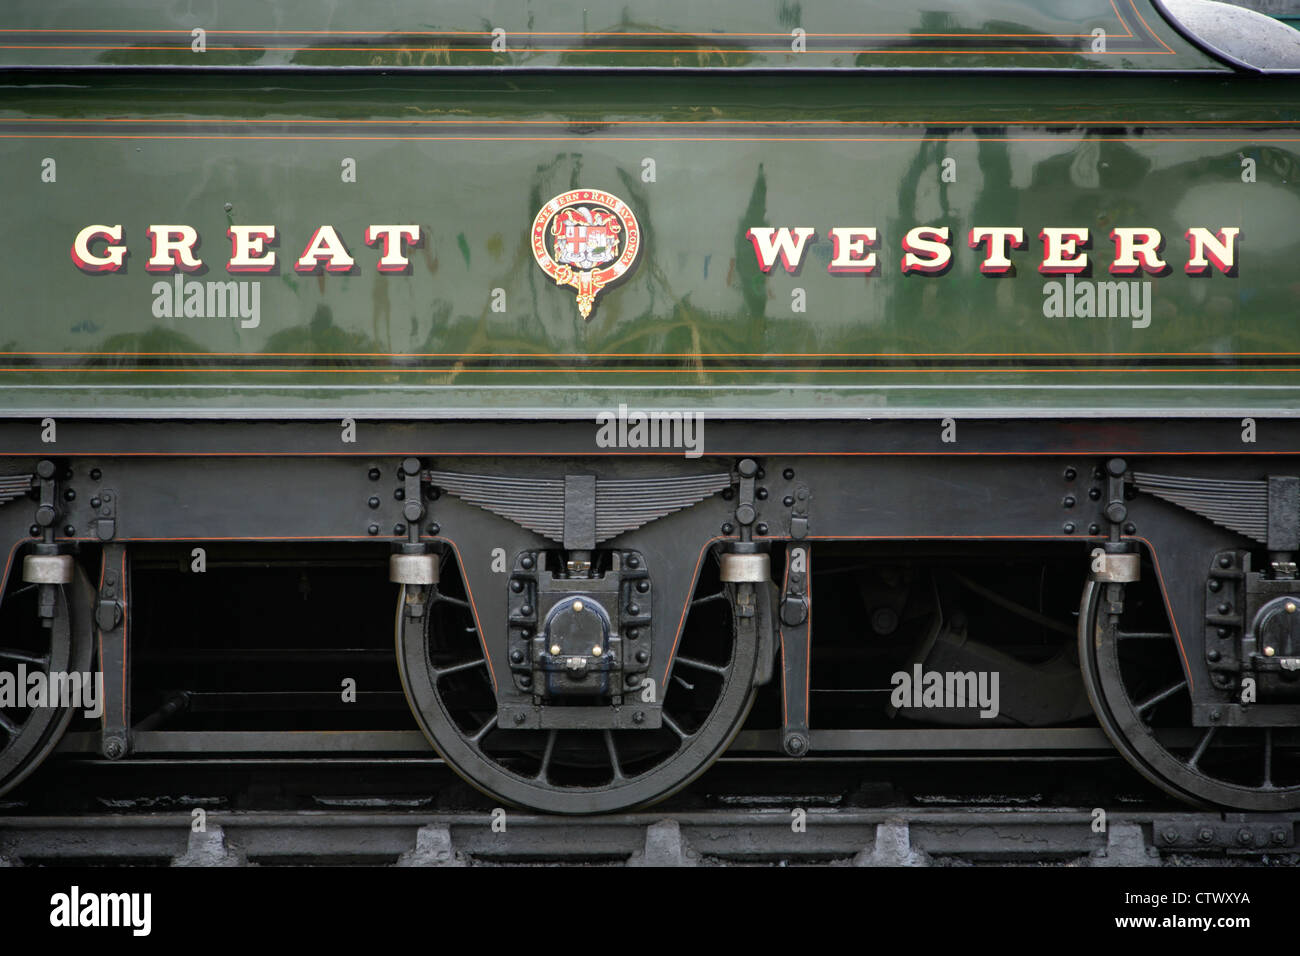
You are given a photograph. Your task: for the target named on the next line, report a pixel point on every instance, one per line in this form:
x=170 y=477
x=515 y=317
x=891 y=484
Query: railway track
x=947 y=836
x=1084 y=811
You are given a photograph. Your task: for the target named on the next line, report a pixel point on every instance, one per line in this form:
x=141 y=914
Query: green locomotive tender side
x=989 y=306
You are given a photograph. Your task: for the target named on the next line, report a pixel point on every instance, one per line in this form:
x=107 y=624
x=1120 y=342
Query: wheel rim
x=28 y=735
x=705 y=701
x=1139 y=691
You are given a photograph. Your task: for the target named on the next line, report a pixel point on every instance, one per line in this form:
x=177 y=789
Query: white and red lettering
x=111 y=259
x=325 y=247
x=790 y=243
x=1206 y=247
x=1137 y=247
x=394 y=239
x=997 y=240
x=850 y=250
x=926 y=250
x=248 y=252
x=1060 y=250
x=172 y=249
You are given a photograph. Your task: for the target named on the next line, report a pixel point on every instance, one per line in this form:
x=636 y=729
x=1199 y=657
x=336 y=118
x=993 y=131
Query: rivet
x=578 y=606
x=1215 y=584
x=596 y=651
x=761 y=528
x=788 y=474
x=633 y=561
x=643 y=586
x=788 y=501
x=373 y=529
x=434 y=528
x=1068 y=527
x=95 y=474
x=399 y=529
x=520 y=718
x=760 y=494
x=1225 y=561
x=1225 y=608
x=634 y=609
x=374 y=474
x=1290 y=607
x=373 y=502
x=527 y=562
x=728 y=528
x=555 y=650
x=1270 y=651
x=1070 y=474
x=516 y=586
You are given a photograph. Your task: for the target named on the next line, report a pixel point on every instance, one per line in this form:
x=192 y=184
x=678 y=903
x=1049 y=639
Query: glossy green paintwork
x=471 y=158
x=549 y=33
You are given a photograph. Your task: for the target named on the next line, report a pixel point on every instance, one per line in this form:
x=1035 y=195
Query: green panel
x=554 y=33
x=471 y=160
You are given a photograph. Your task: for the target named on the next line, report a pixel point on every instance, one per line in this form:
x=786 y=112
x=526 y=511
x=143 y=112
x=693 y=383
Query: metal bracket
x=1236 y=831
x=796 y=630
x=111 y=620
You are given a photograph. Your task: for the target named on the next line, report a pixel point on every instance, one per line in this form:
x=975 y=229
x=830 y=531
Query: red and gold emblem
x=586 y=238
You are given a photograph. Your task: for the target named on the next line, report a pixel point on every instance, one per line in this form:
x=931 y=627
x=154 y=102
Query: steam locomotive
x=845 y=379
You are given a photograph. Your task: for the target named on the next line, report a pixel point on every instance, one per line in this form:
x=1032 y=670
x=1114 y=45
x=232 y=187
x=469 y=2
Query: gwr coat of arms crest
x=585 y=238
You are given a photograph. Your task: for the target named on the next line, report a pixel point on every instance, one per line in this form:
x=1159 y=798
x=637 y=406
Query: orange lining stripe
x=688 y=355
x=397 y=370
x=662 y=139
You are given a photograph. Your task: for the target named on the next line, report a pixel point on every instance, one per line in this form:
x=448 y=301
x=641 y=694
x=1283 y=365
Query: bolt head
x=1206 y=835
x=520 y=718
x=638 y=717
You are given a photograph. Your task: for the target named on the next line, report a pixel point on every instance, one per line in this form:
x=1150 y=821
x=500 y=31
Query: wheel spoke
x=13 y=654
x=613 y=756
x=454 y=602
x=440 y=672
x=1143 y=636
x=673 y=726
x=7 y=725
x=1199 y=752
x=483 y=731
x=682 y=682
x=1158 y=697
x=1267 y=783
x=546 y=757
x=720 y=596
x=703 y=665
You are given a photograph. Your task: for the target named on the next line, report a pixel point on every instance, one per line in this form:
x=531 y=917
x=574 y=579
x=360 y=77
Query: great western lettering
x=928 y=250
